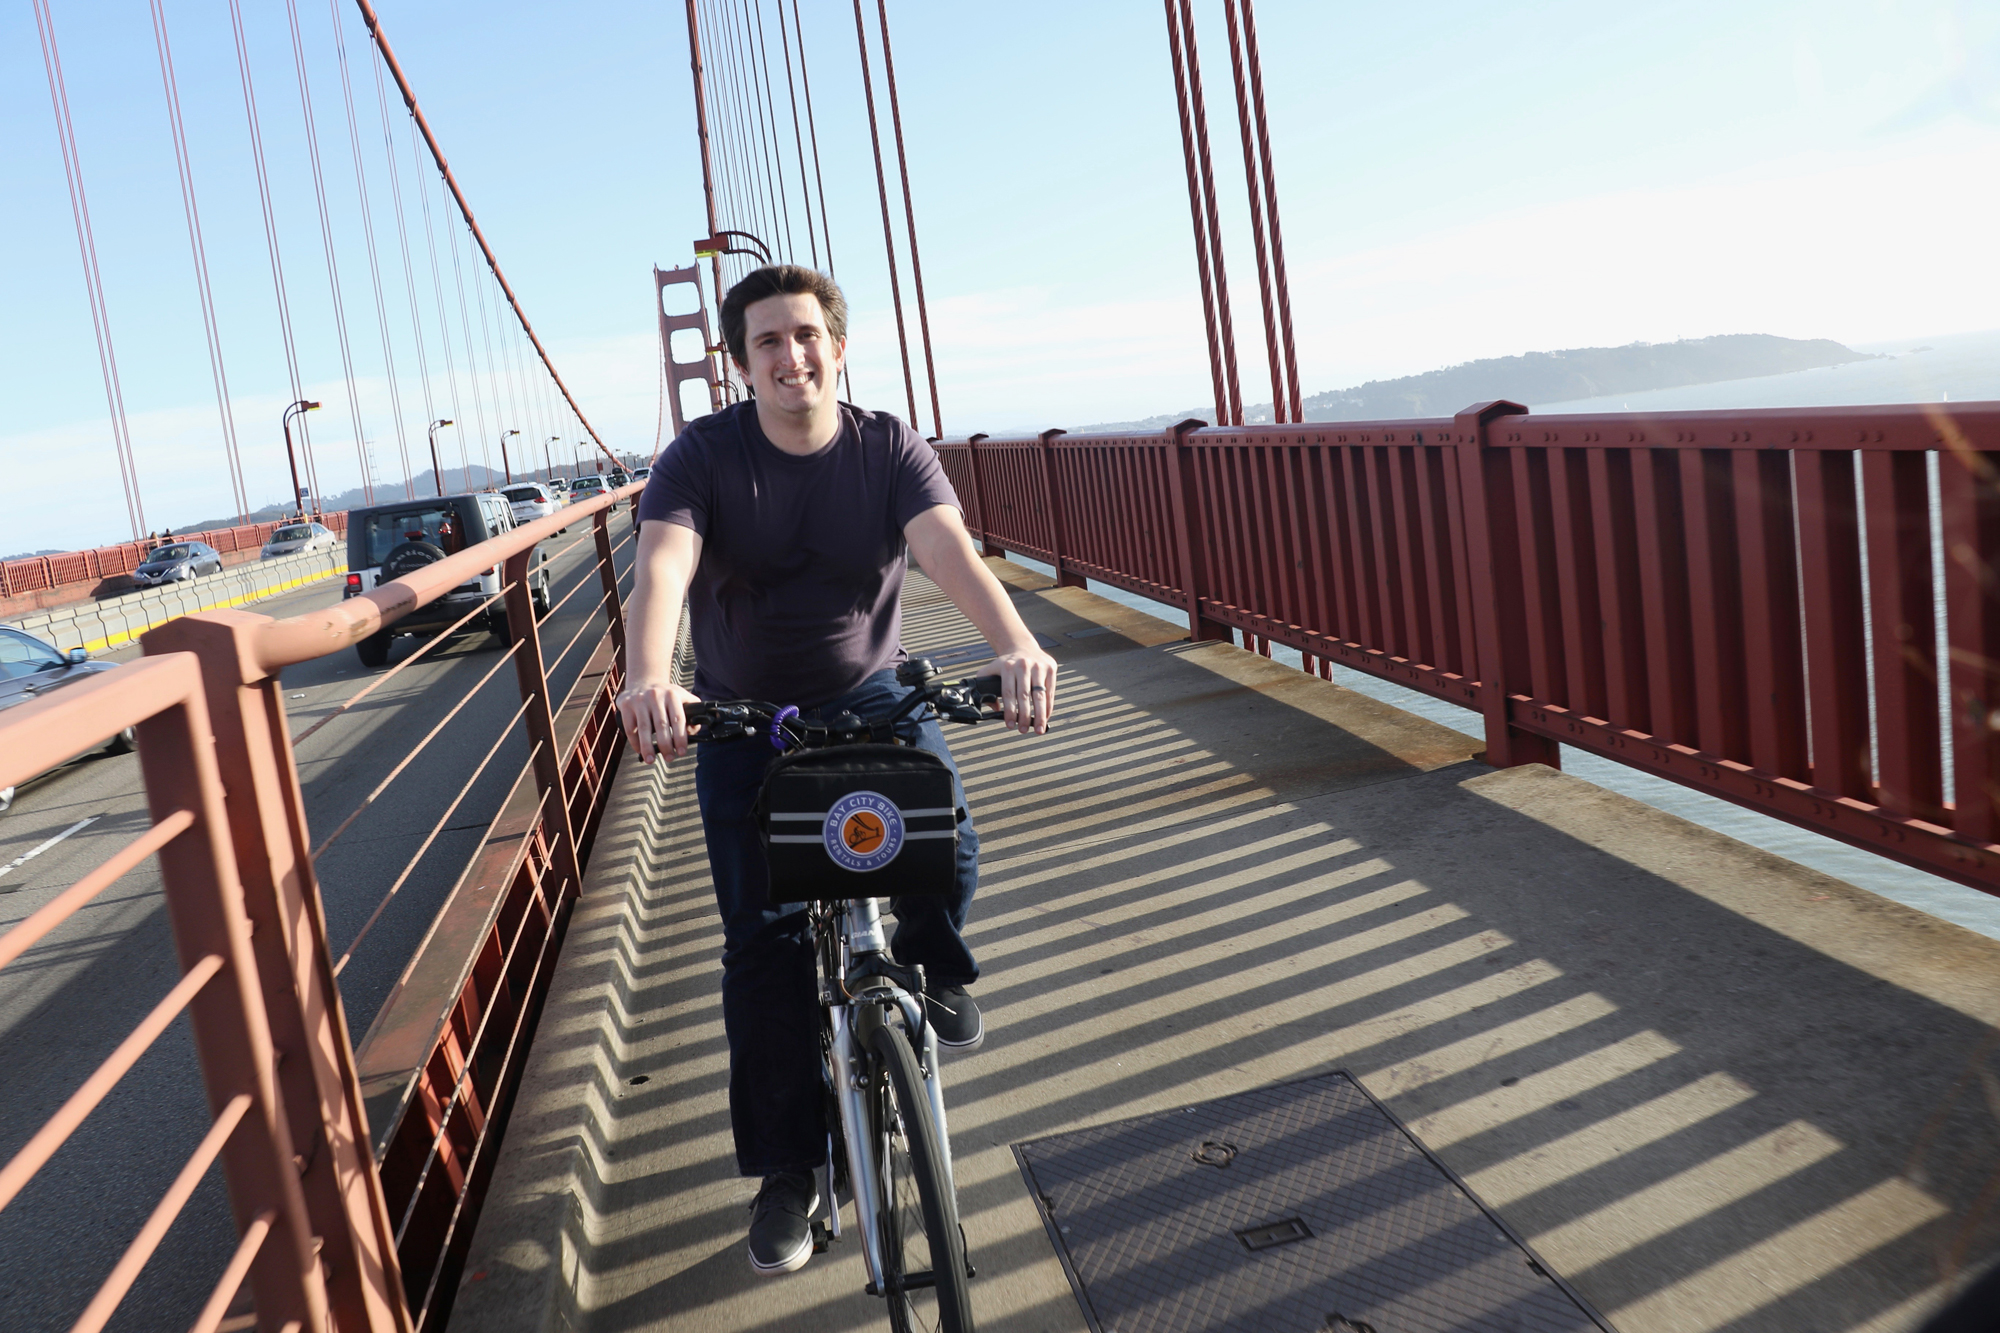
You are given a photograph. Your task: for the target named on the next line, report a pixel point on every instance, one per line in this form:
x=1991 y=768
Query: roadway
x=69 y=1001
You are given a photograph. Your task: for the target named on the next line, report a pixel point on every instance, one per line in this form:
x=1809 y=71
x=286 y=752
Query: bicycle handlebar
x=968 y=701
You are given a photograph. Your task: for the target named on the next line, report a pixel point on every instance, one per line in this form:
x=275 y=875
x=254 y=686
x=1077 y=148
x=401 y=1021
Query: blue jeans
x=777 y=1103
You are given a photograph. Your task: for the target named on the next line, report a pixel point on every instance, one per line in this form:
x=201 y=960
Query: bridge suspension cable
x=192 y=210
x=374 y=262
x=1260 y=181
x=422 y=125
x=332 y=260
x=746 y=184
x=93 y=283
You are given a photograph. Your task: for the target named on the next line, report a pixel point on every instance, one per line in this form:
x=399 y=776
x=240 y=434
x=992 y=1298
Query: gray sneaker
x=781 y=1237
x=955 y=1018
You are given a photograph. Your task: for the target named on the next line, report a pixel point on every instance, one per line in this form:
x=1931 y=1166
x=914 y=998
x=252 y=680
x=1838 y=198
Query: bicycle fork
x=863 y=936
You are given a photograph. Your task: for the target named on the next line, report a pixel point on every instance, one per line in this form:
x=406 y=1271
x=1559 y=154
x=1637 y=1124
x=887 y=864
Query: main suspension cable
x=465 y=209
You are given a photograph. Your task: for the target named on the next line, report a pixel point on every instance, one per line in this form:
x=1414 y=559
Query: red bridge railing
x=40 y=573
x=1750 y=603
x=340 y=1228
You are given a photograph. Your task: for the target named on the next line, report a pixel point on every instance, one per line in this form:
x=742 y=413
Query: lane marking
x=31 y=854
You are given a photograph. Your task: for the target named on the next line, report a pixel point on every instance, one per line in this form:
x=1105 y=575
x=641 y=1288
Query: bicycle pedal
x=822 y=1237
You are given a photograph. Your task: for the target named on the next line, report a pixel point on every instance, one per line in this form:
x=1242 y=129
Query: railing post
x=987 y=545
x=540 y=718
x=320 y=1089
x=614 y=607
x=1058 y=537
x=1493 y=557
x=238 y=1048
x=1184 y=488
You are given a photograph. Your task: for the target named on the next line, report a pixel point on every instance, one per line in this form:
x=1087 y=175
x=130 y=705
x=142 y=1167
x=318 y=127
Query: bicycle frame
x=855 y=934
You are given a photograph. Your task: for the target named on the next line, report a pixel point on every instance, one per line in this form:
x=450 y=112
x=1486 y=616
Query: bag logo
x=863 y=831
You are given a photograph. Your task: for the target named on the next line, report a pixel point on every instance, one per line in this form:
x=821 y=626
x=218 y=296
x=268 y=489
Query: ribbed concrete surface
x=1715 y=1090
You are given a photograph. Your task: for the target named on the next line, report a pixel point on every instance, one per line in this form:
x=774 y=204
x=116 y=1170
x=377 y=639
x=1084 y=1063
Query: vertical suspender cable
x=1199 y=101
x=882 y=188
x=374 y=262
x=471 y=360
x=494 y=370
x=1176 y=44
x=812 y=132
x=332 y=264
x=192 y=209
x=465 y=209
x=756 y=179
x=1253 y=181
x=1271 y=206
x=270 y=225
x=910 y=219
x=774 y=144
x=444 y=320
x=402 y=236
x=93 y=284
x=819 y=178
x=798 y=135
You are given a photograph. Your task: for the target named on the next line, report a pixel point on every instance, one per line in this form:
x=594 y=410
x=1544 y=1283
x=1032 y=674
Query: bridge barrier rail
x=1797 y=610
x=82 y=570
x=110 y=622
x=342 y=1229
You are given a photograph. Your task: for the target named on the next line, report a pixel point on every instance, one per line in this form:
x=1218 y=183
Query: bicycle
x=886 y=1137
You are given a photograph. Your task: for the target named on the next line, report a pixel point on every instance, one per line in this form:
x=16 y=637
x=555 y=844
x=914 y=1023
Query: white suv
x=530 y=499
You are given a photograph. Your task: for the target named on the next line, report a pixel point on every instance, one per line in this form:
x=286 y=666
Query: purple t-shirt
x=797 y=598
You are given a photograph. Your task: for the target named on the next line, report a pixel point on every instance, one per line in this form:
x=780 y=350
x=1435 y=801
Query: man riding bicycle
x=784 y=525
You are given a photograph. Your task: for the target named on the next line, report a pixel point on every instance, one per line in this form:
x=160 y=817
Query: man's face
x=793 y=361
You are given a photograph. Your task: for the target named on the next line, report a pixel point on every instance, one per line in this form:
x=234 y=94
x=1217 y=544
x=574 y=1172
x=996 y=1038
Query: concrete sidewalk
x=1715 y=1090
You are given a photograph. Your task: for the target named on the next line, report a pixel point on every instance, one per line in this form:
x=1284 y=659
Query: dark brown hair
x=780 y=280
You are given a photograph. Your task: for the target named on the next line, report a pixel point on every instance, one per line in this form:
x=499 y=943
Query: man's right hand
x=655 y=719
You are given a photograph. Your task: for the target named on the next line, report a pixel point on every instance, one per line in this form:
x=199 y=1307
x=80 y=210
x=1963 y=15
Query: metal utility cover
x=1299 y=1208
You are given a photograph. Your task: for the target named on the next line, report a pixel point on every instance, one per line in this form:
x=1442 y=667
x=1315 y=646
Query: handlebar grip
x=695 y=713
x=985 y=687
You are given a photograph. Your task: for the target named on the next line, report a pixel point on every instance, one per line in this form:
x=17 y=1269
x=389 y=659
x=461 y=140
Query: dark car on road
x=176 y=562
x=30 y=668
x=386 y=542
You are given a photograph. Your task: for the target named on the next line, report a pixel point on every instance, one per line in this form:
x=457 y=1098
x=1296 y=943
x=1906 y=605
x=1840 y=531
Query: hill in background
x=1538 y=379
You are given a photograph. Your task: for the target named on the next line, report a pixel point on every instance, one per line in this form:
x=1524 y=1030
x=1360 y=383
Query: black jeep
x=387 y=541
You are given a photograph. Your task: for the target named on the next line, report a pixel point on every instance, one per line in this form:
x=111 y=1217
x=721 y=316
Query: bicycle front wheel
x=923 y=1250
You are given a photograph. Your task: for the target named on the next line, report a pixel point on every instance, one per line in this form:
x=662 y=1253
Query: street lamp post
x=285 y=421
x=437 y=469
x=547 y=458
x=504 y=464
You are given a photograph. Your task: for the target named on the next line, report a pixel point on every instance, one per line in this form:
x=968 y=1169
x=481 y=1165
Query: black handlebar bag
x=859 y=821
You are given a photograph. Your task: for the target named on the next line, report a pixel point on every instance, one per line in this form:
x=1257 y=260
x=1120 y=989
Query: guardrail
x=96 y=625
x=41 y=573
x=1748 y=603
x=329 y=1239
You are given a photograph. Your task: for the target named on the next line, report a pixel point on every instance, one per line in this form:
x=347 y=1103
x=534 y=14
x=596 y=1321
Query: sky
x=1456 y=180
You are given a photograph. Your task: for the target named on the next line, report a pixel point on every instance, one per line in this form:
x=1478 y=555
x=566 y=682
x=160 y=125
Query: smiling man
x=784 y=524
